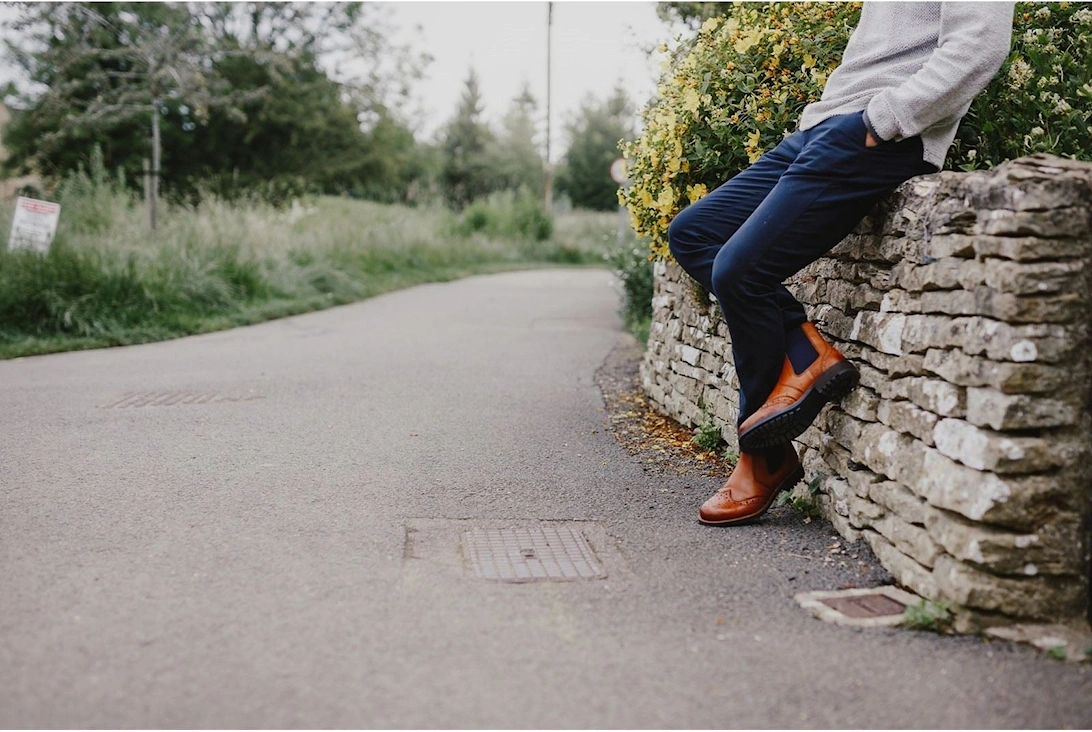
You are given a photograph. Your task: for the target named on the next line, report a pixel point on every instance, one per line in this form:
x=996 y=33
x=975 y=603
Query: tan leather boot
x=796 y=400
x=752 y=487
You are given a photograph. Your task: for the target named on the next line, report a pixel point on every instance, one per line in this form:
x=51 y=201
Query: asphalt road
x=263 y=528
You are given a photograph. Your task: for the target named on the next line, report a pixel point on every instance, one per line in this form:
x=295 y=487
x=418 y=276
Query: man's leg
x=699 y=231
x=828 y=188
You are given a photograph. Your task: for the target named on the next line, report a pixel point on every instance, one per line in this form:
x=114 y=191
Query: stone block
x=861 y=512
x=861 y=403
x=905 y=570
x=913 y=541
x=1033 y=278
x=950 y=302
x=949 y=273
x=899 y=500
x=1042 y=596
x=1058 y=308
x=874 y=379
x=843 y=429
x=1025 y=249
x=996 y=452
x=839 y=522
x=922 y=332
x=895 y=367
x=1010 y=378
x=998 y=341
x=997 y=551
x=850 y=298
x=882 y=331
x=900 y=301
x=992 y=408
x=936 y=396
x=832 y=322
x=889 y=452
x=1020 y=502
x=688 y=354
x=951 y=245
x=709 y=362
x=683 y=369
x=1059 y=223
x=905 y=417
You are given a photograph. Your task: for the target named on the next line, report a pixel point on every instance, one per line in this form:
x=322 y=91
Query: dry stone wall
x=964 y=459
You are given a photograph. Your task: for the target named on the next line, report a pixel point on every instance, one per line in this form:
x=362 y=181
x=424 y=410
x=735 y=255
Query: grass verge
x=107 y=281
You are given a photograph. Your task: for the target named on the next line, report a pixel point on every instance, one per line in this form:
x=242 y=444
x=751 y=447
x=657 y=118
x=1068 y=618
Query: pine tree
x=467 y=172
x=518 y=159
x=594 y=133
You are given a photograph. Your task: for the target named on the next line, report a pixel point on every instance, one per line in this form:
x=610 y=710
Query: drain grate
x=172 y=399
x=531 y=554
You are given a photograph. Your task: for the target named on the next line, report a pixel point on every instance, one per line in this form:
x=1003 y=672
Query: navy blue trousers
x=744 y=239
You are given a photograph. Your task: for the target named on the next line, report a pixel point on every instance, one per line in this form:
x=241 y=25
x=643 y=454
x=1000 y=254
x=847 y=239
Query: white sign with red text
x=34 y=224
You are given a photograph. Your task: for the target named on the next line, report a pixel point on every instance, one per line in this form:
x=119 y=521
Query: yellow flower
x=809 y=61
x=747 y=39
x=666 y=200
x=753 y=138
x=691 y=101
x=695 y=192
x=710 y=24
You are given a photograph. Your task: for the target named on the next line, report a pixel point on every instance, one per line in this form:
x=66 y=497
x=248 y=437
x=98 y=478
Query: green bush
x=633 y=268
x=517 y=215
x=1041 y=99
x=737 y=88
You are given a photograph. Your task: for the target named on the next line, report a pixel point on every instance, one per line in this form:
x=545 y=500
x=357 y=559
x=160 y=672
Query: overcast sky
x=596 y=45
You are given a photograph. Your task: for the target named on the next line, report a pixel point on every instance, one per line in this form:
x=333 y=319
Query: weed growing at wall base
x=927 y=615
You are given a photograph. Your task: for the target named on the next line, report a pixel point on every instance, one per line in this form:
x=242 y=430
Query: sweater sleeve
x=974 y=41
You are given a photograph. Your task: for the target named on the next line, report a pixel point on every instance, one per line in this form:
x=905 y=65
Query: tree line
x=274 y=100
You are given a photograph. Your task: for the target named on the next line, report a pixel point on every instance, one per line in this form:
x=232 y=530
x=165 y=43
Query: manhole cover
x=531 y=554
x=863 y=608
x=172 y=398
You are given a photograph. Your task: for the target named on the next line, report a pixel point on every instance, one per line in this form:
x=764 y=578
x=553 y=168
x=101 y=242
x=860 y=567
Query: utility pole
x=549 y=187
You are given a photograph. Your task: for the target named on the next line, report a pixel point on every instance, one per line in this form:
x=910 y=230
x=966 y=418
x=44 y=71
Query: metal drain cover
x=173 y=398
x=862 y=608
x=865 y=606
x=531 y=554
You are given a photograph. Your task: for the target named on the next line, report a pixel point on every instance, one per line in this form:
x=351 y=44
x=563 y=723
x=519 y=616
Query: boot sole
x=777 y=429
x=793 y=478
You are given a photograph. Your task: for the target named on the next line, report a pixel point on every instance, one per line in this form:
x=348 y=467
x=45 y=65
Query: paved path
x=280 y=547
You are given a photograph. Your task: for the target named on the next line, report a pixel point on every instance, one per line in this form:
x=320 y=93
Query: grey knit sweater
x=915 y=67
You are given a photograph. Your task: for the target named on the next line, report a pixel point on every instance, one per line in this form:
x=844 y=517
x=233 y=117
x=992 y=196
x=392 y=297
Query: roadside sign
x=34 y=224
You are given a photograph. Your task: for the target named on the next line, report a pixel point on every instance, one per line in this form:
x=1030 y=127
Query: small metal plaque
x=172 y=399
x=871 y=607
x=865 y=606
x=531 y=554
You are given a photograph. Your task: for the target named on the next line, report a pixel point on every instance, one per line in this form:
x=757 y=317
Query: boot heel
x=838 y=382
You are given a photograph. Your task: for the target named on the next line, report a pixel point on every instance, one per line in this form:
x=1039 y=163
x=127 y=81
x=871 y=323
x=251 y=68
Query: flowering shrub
x=1041 y=99
x=738 y=88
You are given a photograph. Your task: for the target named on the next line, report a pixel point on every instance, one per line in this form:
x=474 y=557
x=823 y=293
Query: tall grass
x=108 y=281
